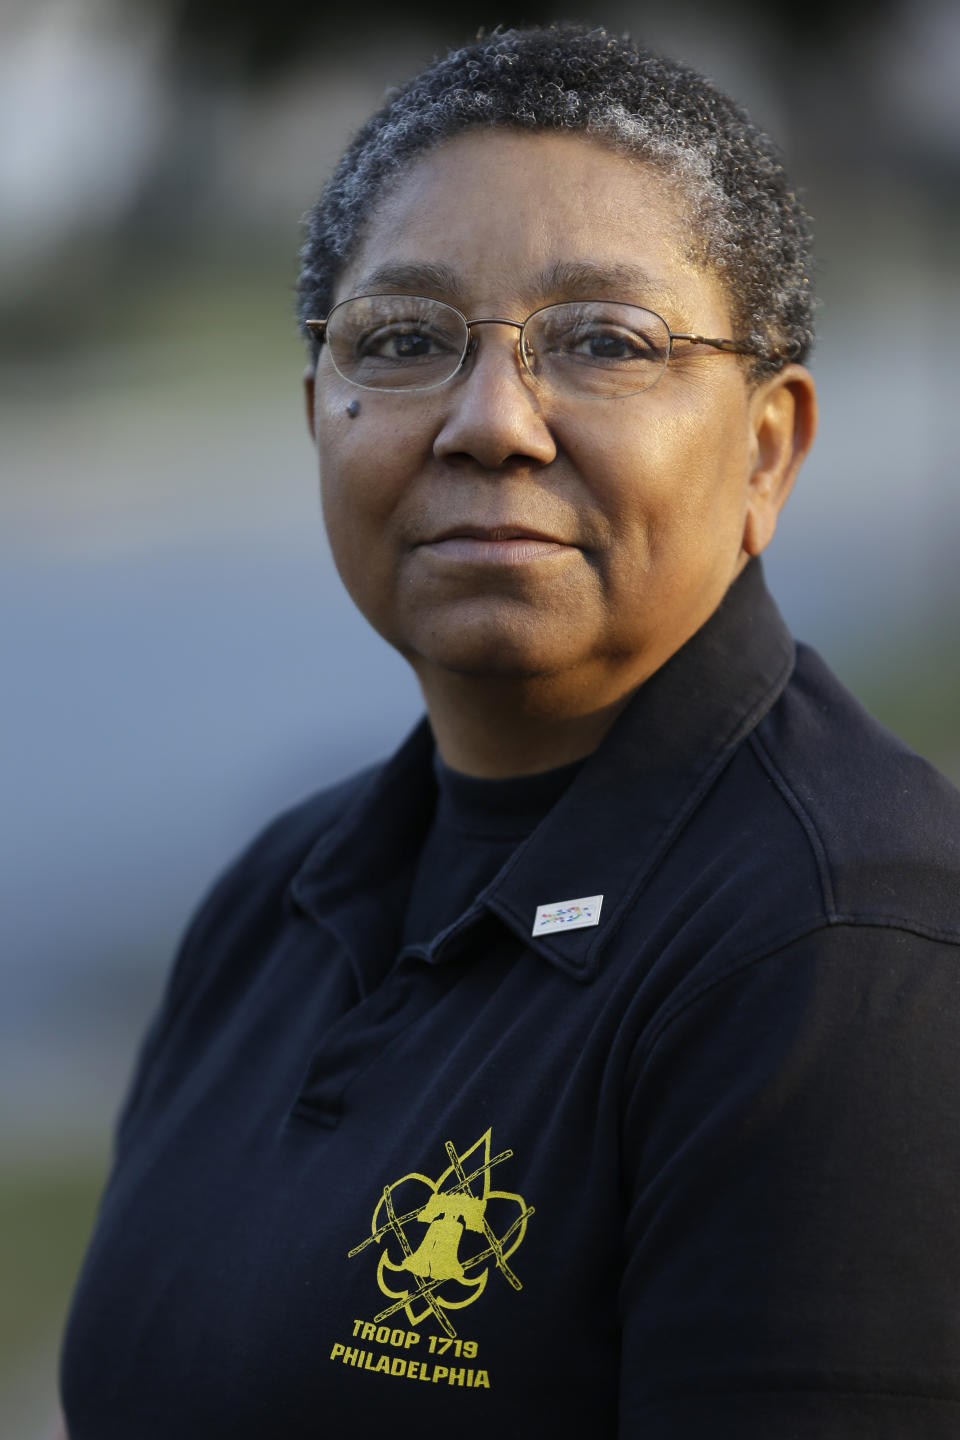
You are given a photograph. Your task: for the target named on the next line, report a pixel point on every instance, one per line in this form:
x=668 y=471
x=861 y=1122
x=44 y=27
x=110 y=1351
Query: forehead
x=499 y=217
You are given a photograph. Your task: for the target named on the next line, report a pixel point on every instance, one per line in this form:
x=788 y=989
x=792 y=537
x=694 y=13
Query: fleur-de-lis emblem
x=441 y=1238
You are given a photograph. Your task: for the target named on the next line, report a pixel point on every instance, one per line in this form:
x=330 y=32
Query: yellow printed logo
x=440 y=1238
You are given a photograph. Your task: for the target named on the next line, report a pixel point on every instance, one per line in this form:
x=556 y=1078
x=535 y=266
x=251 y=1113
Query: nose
x=492 y=411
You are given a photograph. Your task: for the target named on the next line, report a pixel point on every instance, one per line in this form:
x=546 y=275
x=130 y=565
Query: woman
x=589 y=1068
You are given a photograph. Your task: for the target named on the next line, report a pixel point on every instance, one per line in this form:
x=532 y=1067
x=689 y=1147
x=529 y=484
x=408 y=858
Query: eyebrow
x=564 y=280
x=586 y=280
x=412 y=277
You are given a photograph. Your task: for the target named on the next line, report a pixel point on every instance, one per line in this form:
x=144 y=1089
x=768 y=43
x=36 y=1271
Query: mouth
x=494 y=545
x=495 y=534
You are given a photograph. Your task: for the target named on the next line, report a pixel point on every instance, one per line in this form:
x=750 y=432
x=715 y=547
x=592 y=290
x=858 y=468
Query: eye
x=600 y=339
x=396 y=341
x=601 y=336
x=380 y=333
x=607 y=342
x=403 y=341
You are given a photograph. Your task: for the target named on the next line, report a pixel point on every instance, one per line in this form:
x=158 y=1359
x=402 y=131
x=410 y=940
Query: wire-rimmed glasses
x=580 y=347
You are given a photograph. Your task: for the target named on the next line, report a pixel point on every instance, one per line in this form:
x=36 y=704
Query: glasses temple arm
x=737 y=347
x=734 y=347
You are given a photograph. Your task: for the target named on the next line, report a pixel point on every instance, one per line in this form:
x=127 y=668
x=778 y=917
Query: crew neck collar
x=498 y=808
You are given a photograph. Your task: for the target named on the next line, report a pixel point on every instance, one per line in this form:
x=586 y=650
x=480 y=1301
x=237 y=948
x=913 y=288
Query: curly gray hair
x=746 y=222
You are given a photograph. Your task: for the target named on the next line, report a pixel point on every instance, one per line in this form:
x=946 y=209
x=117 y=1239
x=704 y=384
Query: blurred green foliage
x=915 y=691
x=45 y=1220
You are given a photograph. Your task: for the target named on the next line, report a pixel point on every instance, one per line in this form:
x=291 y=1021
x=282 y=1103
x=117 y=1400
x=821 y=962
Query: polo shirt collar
x=609 y=830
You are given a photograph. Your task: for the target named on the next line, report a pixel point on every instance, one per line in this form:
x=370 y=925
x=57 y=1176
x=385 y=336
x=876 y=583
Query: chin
x=495 y=651
x=491 y=663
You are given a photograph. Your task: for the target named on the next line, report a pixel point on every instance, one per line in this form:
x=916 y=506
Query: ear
x=309 y=393
x=783 y=413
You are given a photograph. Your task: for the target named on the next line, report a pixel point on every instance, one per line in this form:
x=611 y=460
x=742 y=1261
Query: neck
x=496 y=728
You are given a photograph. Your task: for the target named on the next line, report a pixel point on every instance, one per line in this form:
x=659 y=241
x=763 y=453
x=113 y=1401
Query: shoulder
x=822 y=821
x=280 y=848
x=881 y=826
x=249 y=900
x=235 y=928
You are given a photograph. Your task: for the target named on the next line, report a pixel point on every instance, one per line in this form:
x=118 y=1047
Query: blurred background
x=177 y=660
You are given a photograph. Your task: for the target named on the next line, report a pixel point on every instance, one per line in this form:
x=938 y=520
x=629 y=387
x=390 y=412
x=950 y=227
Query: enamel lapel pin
x=567 y=915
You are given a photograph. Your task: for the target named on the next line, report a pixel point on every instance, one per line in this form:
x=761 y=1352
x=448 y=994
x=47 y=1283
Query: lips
x=494 y=545
x=494 y=534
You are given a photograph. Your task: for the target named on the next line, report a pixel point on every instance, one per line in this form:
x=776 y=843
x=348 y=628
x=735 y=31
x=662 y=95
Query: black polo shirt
x=685 y=1163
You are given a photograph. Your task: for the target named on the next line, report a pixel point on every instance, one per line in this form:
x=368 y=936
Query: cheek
x=351 y=456
x=650 y=466
x=366 y=466
x=671 y=483
x=346 y=498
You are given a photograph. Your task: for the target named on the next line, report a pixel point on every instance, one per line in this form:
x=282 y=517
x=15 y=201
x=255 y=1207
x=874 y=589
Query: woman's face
x=491 y=528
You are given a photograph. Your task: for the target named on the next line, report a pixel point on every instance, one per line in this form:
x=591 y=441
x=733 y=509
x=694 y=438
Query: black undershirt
x=476 y=827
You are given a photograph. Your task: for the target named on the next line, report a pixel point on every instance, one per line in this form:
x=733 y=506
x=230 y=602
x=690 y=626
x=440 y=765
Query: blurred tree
x=261 y=39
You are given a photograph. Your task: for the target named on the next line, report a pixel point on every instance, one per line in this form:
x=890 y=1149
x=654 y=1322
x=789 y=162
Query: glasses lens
x=592 y=347
x=396 y=342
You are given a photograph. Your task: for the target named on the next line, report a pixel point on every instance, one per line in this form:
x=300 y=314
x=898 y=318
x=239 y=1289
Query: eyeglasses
x=581 y=348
